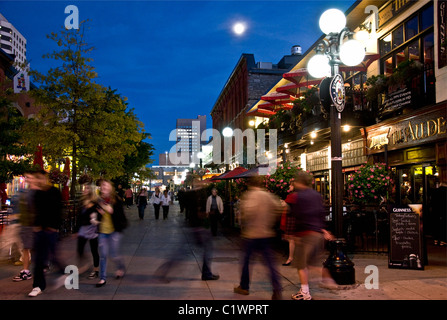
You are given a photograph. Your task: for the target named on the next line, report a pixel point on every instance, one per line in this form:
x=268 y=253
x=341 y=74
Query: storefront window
x=398 y=37
x=414 y=51
x=400 y=57
x=388 y=66
x=411 y=28
x=427 y=18
x=429 y=49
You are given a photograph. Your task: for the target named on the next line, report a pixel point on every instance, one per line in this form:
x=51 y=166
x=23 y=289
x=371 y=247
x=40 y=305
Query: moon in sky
x=239 y=28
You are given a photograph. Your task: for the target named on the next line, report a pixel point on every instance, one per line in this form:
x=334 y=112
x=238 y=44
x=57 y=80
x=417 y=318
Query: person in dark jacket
x=87 y=226
x=142 y=202
x=112 y=224
x=48 y=218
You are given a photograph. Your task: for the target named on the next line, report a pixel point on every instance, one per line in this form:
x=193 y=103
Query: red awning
x=231 y=174
x=275 y=96
x=261 y=113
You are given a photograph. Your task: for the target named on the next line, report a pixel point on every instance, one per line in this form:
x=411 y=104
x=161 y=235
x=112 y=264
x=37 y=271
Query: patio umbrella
x=38 y=157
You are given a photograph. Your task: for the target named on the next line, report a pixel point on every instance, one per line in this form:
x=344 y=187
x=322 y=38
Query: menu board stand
x=405 y=251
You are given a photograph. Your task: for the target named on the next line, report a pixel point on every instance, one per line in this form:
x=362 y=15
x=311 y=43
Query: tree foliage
x=79 y=117
x=14 y=156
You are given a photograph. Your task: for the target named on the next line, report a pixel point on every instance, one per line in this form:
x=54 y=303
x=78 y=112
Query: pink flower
x=272 y=180
x=388 y=178
x=281 y=180
x=371 y=176
x=372 y=191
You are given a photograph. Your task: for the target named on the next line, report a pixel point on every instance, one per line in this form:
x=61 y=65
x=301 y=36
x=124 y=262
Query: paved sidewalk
x=148 y=244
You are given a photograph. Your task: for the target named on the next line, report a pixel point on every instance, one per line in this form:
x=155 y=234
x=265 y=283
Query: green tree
x=14 y=156
x=79 y=117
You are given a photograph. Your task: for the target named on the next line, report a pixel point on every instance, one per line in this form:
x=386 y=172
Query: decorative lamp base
x=339 y=265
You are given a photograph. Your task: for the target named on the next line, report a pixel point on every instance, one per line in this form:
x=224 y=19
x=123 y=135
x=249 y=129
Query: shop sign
x=392 y=9
x=337 y=92
x=406 y=237
x=425 y=128
x=442 y=34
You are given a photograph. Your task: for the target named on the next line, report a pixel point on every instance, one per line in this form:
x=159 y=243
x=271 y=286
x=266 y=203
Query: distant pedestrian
x=181 y=201
x=156 y=202
x=128 y=194
x=87 y=227
x=112 y=224
x=309 y=232
x=214 y=210
x=165 y=202
x=142 y=202
x=260 y=212
x=48 y=218
x=120 y=193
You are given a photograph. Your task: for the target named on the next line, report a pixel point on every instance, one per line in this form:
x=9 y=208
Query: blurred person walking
x=156 y=202
x=128 y=194
x=112 y=224
x=214 y=210
x=308 y=231
x=287 y=223
x=48 y=218
x=87 y=227
x=25 y=209
x=195 y=203
x=142 y=202
x=260 y=212
x=165 y=202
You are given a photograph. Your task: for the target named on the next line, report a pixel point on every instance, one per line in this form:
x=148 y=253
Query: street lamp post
x=330 y=53
x=228 y=147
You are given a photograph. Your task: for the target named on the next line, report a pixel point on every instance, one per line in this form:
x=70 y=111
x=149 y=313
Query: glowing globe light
x=227 y=132
x=352 y=52
x=318 y=66
x=332 y=21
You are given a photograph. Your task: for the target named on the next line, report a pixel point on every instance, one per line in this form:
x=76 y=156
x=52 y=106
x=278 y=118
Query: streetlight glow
x=318 y=66
x=227 y=132
x=332 y=21
x=352 y=52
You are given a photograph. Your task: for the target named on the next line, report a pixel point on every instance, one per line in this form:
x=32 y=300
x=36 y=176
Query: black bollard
x=338 y=263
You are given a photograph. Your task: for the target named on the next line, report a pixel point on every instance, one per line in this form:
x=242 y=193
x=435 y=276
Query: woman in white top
x=156 y=202
x=165 y=201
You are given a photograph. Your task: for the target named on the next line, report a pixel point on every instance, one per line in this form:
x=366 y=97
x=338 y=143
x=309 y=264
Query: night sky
x=171 y=59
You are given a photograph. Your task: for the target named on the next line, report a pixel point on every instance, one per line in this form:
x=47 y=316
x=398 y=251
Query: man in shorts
x=308 y=232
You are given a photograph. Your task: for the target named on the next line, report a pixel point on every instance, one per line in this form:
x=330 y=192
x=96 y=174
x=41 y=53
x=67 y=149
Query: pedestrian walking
x=112 y=224
x=287 y=223
x=87 y=227
x=142 y=202
x=165 y=202
x=196 y=205
x=181 y=201
x=26 y=218
x=48 y=218
x=156 y=202
x=128 y=194
x=120 y=193
x=260 y=212
x=309 y=232
x=214 y=210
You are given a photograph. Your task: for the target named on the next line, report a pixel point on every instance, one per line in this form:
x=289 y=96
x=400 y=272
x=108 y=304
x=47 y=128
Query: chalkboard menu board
x=406 y=241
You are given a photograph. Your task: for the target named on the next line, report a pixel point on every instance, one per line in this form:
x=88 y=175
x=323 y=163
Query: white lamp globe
x=227 y=132
x=318 y=66
x=332 y=21
x=352 y=52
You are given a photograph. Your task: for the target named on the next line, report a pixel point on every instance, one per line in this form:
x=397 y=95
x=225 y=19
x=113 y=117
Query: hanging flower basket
x=279 y=181
x=369 y=184
x=58 y=177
